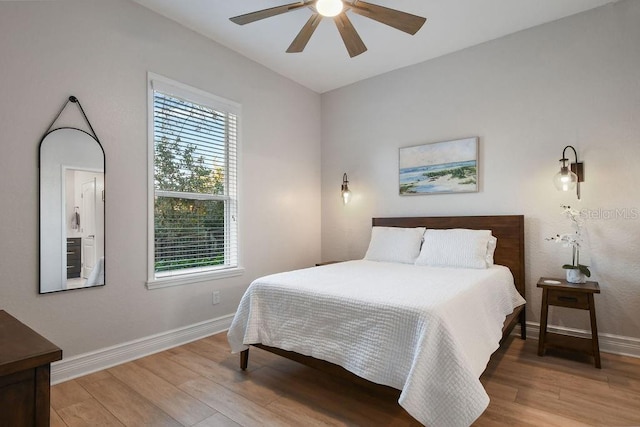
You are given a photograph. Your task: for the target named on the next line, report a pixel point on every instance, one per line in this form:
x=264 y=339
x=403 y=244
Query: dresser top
x=22 y=348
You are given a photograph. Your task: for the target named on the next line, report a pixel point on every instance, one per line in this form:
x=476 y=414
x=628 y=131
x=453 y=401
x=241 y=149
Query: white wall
x=101 y=52
x=574 y=81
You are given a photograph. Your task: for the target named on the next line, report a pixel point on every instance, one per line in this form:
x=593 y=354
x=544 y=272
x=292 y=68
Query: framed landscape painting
x=440 y=167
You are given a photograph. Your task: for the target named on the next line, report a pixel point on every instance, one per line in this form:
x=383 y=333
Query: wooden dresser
x=25 y=367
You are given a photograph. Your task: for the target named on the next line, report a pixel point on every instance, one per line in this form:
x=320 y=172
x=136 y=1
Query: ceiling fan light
x=329 y=8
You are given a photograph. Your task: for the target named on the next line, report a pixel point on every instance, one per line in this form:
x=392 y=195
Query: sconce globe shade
x=565 y=180
x=346 y=196
x=329 y=8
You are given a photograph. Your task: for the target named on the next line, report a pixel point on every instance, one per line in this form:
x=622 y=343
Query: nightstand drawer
x=569 y=299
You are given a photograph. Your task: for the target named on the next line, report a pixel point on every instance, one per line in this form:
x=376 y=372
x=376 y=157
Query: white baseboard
x=609 y=343
x=87 y=363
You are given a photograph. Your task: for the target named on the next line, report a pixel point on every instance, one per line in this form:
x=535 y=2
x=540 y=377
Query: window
x=193 y=199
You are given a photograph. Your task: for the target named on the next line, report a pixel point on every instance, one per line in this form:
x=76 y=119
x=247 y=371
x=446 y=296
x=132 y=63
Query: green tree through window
x=192 y=185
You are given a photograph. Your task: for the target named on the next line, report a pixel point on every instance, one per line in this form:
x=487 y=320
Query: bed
x=371 y=317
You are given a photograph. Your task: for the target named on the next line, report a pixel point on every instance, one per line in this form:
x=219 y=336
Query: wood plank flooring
x=200 y=384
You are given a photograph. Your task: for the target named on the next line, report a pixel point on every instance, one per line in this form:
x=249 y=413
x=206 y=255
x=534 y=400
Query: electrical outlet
x=216 y=297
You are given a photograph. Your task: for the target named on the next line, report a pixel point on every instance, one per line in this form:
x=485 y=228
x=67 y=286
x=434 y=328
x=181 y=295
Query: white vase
x=575 y=276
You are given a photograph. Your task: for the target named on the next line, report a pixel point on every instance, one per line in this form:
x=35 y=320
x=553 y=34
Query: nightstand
x=560 y=293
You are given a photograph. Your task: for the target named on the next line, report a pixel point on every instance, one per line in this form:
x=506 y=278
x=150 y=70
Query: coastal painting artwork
x=440 y=167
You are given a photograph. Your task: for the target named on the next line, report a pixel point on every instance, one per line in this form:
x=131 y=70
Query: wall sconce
x=344 y=191
x=569 y=177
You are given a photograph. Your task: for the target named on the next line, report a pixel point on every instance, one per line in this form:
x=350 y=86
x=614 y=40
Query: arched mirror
x=72 y=231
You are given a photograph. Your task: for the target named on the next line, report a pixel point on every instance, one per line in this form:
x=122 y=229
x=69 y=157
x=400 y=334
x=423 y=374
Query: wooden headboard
x=509 y=229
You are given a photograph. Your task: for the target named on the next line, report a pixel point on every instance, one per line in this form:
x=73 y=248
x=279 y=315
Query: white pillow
x=491 y=249
x=455 y=248
x=395 y=244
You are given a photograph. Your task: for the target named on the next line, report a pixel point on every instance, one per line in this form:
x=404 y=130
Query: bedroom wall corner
x=526 y=96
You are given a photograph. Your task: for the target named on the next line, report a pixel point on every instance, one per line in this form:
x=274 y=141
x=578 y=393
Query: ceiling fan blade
x=247 y=18
x=402 y=21
x=350 y=37
x=301 y=40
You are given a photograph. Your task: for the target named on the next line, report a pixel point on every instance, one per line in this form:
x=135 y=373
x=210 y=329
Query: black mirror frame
x=93 y=136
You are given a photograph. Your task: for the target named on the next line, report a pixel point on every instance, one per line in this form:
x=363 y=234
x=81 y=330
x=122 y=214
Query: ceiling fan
x=337 y=9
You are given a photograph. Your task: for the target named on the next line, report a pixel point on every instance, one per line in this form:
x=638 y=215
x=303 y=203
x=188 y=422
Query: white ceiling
x=325 y=65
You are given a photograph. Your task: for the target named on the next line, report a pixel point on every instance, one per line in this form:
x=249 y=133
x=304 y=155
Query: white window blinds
x=194 y=183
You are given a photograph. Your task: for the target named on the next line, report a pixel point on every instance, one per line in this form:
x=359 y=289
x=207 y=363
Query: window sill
x=187 y=279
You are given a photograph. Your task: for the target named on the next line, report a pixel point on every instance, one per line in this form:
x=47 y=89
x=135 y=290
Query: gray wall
x=101 y=52
x=573 y=81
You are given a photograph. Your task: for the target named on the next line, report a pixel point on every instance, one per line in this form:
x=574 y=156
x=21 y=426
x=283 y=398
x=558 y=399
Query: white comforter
x=424 y=330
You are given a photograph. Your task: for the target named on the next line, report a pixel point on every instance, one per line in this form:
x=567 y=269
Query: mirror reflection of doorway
x=84 y=224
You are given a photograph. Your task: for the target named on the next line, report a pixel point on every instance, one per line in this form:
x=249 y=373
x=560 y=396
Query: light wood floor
x=200 y=384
